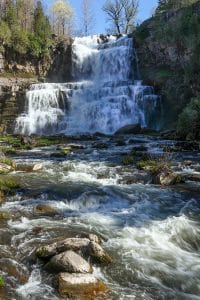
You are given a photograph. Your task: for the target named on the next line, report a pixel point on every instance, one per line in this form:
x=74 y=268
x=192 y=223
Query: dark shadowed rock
x=80 y=286
x=129 y=129
x=68 y=261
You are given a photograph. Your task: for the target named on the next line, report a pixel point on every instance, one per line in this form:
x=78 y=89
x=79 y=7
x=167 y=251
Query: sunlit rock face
x=106 y=93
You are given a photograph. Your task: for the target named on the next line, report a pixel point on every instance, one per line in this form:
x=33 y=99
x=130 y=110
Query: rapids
x=153 y=233
x=106 y=93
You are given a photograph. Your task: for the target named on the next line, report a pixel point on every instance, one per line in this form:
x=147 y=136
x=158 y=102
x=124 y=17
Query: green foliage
x=20 y=41
x=25 y=29
x=189 y=120
x=9 y=150
x=41 y=40
x=5 y=34
x=141 y=33
x=2 y=281
x=8 y=184
x=166 y=5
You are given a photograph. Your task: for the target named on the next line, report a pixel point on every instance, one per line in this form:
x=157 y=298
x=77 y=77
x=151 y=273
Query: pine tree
x=41 y=29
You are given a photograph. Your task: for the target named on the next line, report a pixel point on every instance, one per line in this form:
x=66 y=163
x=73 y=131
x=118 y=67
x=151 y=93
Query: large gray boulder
x=80 y=286
x=70 y=262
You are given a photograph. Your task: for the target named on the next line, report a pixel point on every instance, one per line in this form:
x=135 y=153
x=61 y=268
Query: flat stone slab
x=80 y=286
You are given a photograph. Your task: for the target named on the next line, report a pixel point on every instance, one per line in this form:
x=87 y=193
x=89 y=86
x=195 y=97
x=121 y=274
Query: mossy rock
x=8 y=184
x=2 y=281
x=4 y=216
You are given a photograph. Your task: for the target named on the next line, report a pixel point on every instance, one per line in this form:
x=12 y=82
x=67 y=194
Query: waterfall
x=105 y=95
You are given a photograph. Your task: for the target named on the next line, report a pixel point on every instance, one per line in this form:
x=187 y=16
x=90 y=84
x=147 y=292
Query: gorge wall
x=168 y=47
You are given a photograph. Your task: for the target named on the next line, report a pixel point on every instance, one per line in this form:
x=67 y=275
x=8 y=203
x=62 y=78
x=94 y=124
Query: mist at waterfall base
x=105 y=95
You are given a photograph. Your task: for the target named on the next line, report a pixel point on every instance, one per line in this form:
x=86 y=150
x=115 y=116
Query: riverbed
x=152 y=232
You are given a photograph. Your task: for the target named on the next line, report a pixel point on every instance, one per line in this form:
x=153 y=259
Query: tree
x=41 y=40
x=121 y=15
x=5 y=35
x=130 y=12
x=62 y=17
x=113 y=9
x=25 y=13
x=166 y=5
x=87 y=17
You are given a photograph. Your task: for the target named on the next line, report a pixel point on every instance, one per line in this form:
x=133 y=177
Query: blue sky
x=145 y=11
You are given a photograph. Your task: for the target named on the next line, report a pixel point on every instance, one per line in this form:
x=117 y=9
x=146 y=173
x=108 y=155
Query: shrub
x=189 y=119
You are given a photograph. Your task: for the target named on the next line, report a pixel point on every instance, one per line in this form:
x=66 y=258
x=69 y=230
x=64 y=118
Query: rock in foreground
x=68 y=261
x=80 y=286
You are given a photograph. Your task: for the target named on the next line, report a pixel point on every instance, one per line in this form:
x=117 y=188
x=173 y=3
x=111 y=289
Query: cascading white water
x=106 y=95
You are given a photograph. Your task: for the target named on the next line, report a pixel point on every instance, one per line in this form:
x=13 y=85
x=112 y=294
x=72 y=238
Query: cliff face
x=168 y=48
x=12 y=101
x=17 y=73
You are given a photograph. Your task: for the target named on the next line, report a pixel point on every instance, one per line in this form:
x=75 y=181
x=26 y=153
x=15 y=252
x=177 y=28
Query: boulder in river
x=37 y=167
x=45 y=210
x=129 y=129
x=70 y=262
x=80 y=286
x=89 y=247
x=75 y=244
x=98 y=254
x=167 y=179
x=4 y=168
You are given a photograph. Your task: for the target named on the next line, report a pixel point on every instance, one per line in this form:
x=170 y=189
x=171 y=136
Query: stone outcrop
x=12 y=101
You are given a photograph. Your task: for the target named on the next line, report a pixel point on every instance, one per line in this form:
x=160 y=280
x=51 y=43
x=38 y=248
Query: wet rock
x=94 y=238
x=100 y=146
x=167 y=179
x=98 y=254
x=188 y=162
x=148 y=131
x=45 y=210
x=2 y=196
x=14 y=269
x=76 y=146
x=75 y=244
x=27 y=140
x=29 y=168
x=187 y=146
x=191 y=177
x=4 y=216
x=129 y=129
x=4 y=168
x=80 y=286
x=37 y=167
x=137 y=177
x=140 y=148
x=70 y=262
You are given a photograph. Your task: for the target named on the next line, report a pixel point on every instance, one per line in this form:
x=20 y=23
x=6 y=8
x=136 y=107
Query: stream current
x=153 y=233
